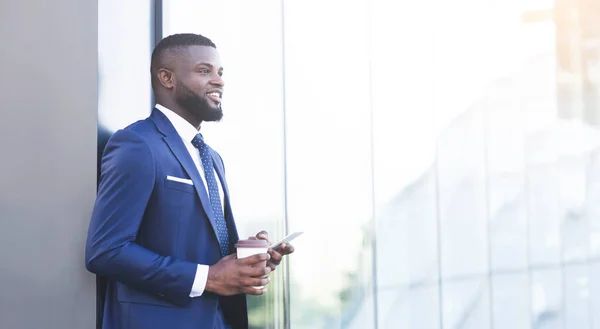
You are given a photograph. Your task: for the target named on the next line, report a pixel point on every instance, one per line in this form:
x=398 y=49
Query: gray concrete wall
x=48 y=102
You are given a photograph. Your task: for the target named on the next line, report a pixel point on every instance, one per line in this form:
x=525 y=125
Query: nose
x=218 y=81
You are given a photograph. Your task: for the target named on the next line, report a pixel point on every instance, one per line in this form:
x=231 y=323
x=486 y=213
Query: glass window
x=510 y=301
x=404 y=144
x=505 y=152
x=537 y=84
x=594 y=285
x=547 y=299
x=577 y=297
x=461 y=75
x=544 y=232
x=329 y=172
x=410 y=307
x=124 y=51
x=466 y=303
x=574 y=225
x=591 y=206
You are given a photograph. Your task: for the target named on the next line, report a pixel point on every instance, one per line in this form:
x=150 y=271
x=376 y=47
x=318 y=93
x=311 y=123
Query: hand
x=276 y=254
x=232 y=276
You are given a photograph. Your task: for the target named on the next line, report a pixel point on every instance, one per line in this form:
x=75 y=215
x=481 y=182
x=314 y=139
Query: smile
x=215 y=96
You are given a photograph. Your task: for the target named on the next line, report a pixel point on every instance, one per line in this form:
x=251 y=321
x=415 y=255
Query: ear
x=166 y=78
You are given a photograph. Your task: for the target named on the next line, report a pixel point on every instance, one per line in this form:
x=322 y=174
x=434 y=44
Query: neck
x=186 y=115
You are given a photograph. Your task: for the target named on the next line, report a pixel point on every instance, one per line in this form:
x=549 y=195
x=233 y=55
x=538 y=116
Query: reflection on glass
x=407 y=235
x=544 y=231
x=462 y=197
x=572 y=193
x=250 y=136
x=404 y=145
x=409 y=307
x=460 y=76
x=538 y=105
x=507 y=209
x=546 y=299
x=329 y=174
x=466 y=303
x=591 y=206
x=577 y=297
x=510 y=301
x=594 y=285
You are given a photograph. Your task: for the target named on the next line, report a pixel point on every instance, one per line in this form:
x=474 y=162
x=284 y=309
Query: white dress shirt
x=187 y=132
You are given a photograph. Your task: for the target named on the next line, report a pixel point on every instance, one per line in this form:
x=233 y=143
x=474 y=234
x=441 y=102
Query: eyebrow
x=207 y=64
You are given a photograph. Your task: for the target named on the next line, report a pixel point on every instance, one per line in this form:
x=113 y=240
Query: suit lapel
x=173 y=140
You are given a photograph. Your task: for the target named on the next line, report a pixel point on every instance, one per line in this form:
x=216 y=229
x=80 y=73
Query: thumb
x=263 y=235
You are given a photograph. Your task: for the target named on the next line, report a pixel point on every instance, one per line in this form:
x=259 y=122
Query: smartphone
x=287 y=239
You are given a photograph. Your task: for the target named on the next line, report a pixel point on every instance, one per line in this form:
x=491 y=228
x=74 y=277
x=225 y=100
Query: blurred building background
x=442 y=157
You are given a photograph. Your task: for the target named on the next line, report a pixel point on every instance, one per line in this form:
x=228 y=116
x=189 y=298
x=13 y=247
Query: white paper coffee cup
x=243 y=252
x=250 y=247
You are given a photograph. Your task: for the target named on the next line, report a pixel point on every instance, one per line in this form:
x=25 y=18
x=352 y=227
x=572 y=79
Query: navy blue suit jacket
x=147 y=234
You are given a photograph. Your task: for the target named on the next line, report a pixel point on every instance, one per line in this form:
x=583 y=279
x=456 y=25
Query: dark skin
x=189 y=82
x=197 y=69
x=276 y=254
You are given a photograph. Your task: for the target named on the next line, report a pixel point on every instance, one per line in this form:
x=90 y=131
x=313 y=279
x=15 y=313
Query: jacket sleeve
x=126 y=183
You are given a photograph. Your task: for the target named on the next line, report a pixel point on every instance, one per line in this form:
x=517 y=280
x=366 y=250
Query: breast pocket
x=179 y=184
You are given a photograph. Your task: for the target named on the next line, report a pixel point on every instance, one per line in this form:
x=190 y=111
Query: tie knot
x=198 y=141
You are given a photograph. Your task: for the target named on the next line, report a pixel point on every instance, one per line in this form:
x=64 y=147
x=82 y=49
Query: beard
x=196 y=105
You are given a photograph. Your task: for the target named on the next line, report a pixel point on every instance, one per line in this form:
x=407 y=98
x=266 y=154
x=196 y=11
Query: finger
x=275 y=257
x=272 y=266
x=282 y=248
x=274 y=252
x=254 y=291
x=256 y=282
x=251 y=260
x=256 y=272
x=263 y=235
x=288 y=250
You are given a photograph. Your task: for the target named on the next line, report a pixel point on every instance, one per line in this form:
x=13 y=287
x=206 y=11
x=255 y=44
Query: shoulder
x=130 y=147
x=141 y=132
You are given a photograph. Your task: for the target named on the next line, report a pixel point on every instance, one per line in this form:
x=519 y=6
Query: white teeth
x=215 y=95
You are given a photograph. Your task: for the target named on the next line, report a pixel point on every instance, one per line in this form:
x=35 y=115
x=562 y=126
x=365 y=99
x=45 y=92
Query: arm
x=126 y=183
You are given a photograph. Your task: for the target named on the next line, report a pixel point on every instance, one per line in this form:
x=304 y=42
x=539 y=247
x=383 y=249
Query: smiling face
x=195 y=84
x=199 y=87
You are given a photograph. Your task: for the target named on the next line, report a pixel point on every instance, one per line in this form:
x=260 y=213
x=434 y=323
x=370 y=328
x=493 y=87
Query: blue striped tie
x=213 y=192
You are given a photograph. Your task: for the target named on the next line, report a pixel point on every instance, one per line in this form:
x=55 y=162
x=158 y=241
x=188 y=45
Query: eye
x=204 y=71
x=221 y=73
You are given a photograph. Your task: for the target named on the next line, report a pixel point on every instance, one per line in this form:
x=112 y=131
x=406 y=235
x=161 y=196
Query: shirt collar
x=183 y=128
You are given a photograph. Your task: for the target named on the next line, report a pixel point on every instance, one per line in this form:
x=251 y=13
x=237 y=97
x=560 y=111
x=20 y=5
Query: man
x=162 y=231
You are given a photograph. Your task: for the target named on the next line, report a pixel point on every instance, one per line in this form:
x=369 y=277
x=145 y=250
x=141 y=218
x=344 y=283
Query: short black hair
x=177 y=42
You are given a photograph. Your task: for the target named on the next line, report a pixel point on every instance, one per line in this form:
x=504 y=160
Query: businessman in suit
x=162 y=230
